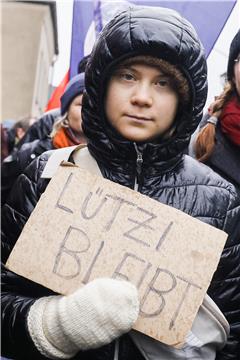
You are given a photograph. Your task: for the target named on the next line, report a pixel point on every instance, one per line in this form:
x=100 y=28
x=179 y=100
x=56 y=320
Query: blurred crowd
x=29 y=137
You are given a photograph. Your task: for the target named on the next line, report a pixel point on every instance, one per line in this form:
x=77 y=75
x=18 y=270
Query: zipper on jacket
x=139 y=162
x=116 y=350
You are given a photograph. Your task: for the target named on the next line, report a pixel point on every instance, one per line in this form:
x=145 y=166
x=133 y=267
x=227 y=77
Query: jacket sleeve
x=16 y=163
x=225 y=285
x=20 y=203
x=18 y=293
x=10 y=170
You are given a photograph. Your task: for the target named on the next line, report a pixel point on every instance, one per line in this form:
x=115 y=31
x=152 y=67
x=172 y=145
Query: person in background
x=41 y=128
x=218 y=142
x=4 y=143
x=54 y=131
x=44 y=125
x=22 y=126
x=12 y=137
x=146 y=86
x=67 y=131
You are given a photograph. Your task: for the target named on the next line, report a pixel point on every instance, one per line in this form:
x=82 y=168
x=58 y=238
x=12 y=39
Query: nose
x=141 y=95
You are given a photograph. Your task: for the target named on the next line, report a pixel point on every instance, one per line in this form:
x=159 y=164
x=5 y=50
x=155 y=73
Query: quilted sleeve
x=225 y=285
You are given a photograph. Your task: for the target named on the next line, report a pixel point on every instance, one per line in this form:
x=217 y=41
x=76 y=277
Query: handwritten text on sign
x=85 y=227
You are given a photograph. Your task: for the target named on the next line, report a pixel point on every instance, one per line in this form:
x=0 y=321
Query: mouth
x=138 y=117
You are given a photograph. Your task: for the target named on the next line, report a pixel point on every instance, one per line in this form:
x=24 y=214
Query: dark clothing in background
x=225 y=158
x=34 y=143
x=8 y=138
x=4 y=143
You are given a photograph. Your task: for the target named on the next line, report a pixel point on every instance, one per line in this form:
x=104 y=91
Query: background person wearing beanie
x=218 y=142
x=143 y=99
x=66 y=130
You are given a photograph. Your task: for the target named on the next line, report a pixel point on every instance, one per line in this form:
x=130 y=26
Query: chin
x=137 y=139
x=135 y=135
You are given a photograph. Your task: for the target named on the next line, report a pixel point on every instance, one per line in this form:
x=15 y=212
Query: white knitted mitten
x=92 y=316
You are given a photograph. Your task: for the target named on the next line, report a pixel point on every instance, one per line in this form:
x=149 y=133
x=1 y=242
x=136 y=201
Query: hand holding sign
x=89 y=318
x=86 y=227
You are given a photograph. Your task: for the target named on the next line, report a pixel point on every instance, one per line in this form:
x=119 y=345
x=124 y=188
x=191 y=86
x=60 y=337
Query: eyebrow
x=132 y=67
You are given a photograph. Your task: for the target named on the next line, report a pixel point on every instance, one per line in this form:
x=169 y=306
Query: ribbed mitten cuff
x=39 y=333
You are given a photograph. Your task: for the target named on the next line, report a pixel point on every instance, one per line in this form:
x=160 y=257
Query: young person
x=218 y=142
x=146 y=85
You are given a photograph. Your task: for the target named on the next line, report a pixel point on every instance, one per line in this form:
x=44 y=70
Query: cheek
x=170 y=104
x=111 y=103
x=74 y=117
x=76 y=113
x=175 y=105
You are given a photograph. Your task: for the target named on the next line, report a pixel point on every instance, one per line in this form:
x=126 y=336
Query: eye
x=162 y=82
x=125 y=75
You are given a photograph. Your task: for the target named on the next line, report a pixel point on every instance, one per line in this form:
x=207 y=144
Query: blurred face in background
x=21 y=130
x=75 y=114
x=237 y=74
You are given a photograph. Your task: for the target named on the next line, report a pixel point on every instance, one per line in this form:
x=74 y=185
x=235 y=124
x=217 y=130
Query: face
x=140 y=103
x=74 y=113
x=20 y=133
x=237 y=74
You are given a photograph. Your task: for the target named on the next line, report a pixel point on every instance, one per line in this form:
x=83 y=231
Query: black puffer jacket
x=225 y=158
x=165 y=175
x=34 y=143
x=15 y=164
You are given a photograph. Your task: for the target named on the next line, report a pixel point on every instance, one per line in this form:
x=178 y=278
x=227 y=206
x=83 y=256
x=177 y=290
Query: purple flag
x=89 y=16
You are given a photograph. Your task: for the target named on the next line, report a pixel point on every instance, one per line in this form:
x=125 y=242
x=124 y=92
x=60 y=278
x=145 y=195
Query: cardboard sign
x=85 y=227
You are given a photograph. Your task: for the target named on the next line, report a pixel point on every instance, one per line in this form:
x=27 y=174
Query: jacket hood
x=159 y=32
